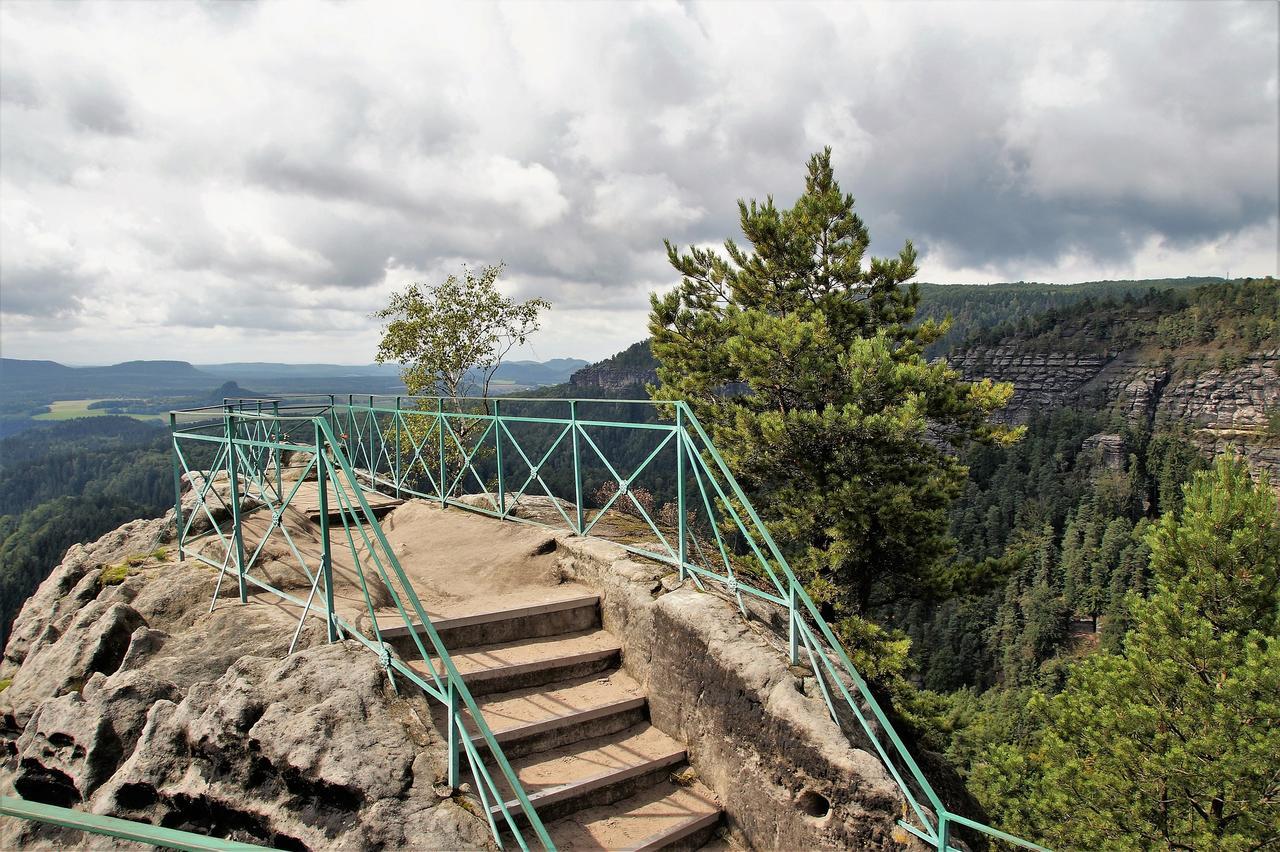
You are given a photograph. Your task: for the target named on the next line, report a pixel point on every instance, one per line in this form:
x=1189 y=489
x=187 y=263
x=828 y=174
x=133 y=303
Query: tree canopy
x=1172 y=743
x=799 y=355
x=451 y=337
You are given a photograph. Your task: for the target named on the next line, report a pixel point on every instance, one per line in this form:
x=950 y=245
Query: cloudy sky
x=244 y=181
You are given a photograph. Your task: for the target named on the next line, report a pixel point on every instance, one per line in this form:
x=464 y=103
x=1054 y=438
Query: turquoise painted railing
x=248 y=448
x=658 y=472
x=123 y=829
x=445 y=449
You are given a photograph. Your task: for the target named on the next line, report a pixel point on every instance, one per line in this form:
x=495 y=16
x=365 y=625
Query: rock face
x=631 y=369
x=134 y=700
x=1234 y=406
x=612 y=378
x=1107 y=448
x=758 y=733
x=1041 y=380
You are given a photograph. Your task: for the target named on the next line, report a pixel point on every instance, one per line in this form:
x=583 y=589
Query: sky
x=225 y=181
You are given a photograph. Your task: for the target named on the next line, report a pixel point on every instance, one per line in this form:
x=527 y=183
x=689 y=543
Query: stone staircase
x=575 y=727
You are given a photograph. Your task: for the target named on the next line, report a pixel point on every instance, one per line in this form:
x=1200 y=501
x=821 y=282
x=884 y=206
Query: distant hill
x=241 y=370
x=57 y=381
x=49 y=380
x=376 y=378
x=539 y=373
x=973 y=308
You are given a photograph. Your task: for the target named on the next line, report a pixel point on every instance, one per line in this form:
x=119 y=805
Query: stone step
x=592 y=772
x=527 y=621
x=531 y=662
x=664 y=816
x=538 y=718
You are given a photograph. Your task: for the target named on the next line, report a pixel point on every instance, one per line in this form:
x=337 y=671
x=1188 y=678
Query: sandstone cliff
x=631 y=368
x=612 y=378
x=130 y=698
x=1230 y=406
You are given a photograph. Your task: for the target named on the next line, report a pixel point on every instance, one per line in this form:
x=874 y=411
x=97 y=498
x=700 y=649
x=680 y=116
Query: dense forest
x=977 y=310
x=1239 y=316
x=71 y=482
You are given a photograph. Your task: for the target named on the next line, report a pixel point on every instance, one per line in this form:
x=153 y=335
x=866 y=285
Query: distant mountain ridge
x=973 y=308
x=52 y=380
x=17 y=375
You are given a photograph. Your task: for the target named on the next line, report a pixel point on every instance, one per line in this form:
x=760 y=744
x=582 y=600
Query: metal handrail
x=243 y=441
x=249 y=457
x=368 y=437
x=123 y=829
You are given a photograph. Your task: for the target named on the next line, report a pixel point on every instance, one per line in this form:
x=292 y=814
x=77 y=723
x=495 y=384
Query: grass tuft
x=114 y=575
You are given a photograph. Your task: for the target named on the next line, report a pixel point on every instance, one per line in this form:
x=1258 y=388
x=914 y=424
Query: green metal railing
x=250 y=440
x=449 y=449
x=123 y=829
x=648 y=464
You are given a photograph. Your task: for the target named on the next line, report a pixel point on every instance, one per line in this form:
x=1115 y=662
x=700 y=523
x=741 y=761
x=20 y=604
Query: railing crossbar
x=390 y=443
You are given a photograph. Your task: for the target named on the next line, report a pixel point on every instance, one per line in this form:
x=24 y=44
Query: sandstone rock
x=788 y=776
x=612 y=378
x=133 y=700
x=96 y=641
x=75 y=742
x=1229 y=407
x=75 y=582
x=312 y=751
x=1108 y=449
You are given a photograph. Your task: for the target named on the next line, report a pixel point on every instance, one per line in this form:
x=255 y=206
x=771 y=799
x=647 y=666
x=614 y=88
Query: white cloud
x=175 y=178
x=629 y=201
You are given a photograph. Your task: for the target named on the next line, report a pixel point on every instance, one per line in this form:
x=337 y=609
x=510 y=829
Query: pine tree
x=801 y=358
x=1174 y=743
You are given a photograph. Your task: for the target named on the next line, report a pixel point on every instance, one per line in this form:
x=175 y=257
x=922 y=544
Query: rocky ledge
x=126 y=696
x=1233 y=406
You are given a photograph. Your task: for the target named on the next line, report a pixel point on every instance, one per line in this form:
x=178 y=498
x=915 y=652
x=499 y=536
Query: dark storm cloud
x=209 y=162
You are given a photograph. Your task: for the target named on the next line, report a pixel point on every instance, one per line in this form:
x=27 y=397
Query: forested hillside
x=71 y=482
x=1241 y=316
x=977 y=312
x=975 y=309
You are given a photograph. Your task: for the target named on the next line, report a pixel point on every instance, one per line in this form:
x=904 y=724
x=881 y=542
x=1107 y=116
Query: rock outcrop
x=629 y=370
x=611 y=378
x=131 y=699
x=1235 y=405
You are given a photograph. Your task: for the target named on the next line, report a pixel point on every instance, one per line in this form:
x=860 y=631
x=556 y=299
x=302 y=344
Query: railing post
x=177 y=484
x=497 y=438
x=326 y=551
x=444 y=488
x=351 y=428
x=577 y=466
x=373 y=427
x=793 y=628
x=396 y=474
x=680 y=524
x=944 y=832
x=234 y=475
x=277 y=438
x=454 y=740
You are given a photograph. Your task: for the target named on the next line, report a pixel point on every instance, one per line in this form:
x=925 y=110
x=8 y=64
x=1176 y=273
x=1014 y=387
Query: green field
x=68 y=409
